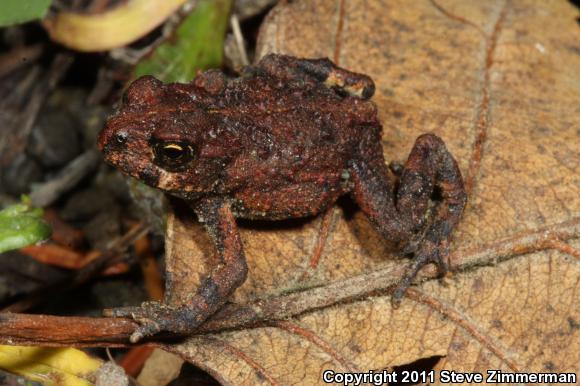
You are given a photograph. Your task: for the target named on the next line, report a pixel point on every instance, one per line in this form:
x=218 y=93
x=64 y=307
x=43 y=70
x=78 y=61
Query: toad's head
x=170 y=136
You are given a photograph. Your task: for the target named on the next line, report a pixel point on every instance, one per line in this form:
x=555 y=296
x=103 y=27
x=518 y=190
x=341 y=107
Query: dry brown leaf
x=498 y=81
x=160 y=369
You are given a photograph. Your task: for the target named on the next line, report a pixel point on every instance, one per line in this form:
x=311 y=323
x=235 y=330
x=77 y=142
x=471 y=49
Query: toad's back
x=297 y=136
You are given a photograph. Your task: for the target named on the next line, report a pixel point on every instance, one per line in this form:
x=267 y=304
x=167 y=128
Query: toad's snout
x=105 y=137
x=112 y=140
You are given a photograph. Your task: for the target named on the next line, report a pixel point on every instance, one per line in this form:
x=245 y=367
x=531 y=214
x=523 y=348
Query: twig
x=83 y=275
x=235 y=23
x=20 y=125
x=47 y=330
x=50 y=191
x=18 y=57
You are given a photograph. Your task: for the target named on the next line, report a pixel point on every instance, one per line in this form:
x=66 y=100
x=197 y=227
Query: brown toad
x=284 y=140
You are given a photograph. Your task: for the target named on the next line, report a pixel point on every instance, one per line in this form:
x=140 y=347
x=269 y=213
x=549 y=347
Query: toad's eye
x=172 y=151
x=172 y=155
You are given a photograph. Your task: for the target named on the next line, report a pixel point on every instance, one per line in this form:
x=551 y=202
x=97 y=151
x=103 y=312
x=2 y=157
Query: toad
x=283 y=140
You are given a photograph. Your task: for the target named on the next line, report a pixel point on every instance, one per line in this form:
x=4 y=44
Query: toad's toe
x=428 y=253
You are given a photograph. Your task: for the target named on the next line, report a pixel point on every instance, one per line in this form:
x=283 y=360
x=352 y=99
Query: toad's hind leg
x=430 y=169
x=322 y=70
x=407 y=220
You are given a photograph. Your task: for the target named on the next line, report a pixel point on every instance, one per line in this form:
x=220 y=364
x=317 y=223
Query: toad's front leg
x=213 y=292
x=405 y=217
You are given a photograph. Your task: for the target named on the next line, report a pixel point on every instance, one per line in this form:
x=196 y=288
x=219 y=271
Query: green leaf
x=21 y=225
x=197 y=44
x=20 y=11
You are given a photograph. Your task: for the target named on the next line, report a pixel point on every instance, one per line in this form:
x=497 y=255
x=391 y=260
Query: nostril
x=121 y=137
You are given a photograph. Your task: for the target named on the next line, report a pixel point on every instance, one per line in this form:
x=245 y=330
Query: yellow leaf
x=115 y=28
x=51 y=366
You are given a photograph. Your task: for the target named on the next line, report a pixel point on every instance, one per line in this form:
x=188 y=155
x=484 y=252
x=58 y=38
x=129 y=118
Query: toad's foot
x=154 y=317
x=428 y=252
x=421 y=212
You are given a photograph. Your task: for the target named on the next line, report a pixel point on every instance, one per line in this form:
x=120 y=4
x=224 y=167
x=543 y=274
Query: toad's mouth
x=150 y=175
x=130 y=164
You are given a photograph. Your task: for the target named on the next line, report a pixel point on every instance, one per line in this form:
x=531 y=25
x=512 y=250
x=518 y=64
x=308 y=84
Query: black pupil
x=173 y=152
x=172 y=156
